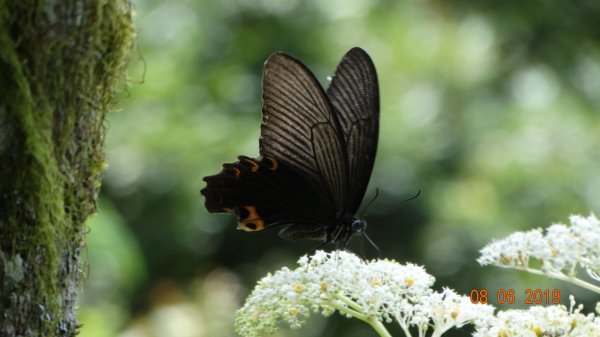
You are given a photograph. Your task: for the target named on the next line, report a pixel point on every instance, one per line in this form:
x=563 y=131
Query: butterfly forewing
x=354 y=95
x=300 y=129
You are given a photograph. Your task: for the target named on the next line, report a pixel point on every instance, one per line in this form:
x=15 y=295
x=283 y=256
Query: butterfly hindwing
x=265 y=193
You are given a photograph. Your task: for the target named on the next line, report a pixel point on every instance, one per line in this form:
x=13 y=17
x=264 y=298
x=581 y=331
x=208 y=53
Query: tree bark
x=60 y=65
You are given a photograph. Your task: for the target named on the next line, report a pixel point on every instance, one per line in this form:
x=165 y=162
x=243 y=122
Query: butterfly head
x=358 y=226
x=346 y=231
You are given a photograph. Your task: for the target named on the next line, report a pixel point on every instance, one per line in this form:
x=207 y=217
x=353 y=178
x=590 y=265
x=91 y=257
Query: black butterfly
x=317 y=152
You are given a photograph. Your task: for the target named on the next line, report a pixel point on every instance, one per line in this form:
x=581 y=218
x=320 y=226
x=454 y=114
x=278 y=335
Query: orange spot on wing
x=252 y=226
x=274 y=164
x=237 y=171
x=254 y=164
x=252 y=222
x=252 y=214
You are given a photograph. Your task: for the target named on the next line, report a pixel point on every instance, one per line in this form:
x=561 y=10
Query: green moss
x=60 y=65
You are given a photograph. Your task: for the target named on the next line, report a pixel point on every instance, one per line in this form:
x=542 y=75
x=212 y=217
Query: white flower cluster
x=560 y=250
x=541 y=321
x=375 y=292
x=383 y=291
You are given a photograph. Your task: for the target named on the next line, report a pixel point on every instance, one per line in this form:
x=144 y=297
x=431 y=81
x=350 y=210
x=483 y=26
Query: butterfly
x=317 y=150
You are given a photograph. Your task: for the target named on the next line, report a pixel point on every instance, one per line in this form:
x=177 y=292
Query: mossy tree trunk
x=60 y=62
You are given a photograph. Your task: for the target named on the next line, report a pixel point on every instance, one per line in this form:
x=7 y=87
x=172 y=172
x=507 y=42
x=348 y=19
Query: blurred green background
x=490 y=108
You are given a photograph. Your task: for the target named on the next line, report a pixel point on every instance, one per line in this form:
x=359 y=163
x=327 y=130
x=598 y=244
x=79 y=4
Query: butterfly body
x=317 y=153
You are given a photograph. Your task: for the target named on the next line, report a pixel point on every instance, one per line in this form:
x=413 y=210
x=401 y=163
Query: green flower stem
x=404 y=327
x=563 y=277
x=349 y=302
x=353 y=310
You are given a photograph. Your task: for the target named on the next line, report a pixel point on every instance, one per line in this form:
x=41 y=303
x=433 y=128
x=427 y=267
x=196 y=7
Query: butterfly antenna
x=403 y=201
x=371 y=202
x=413 y=197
